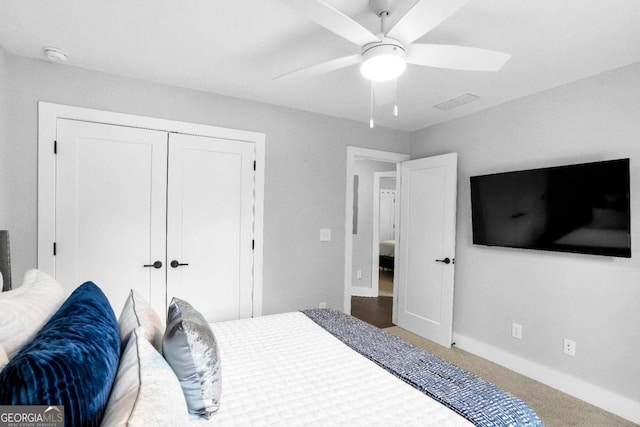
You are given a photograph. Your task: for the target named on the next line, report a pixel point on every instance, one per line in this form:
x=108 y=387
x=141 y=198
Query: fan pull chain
x=371 y=123
x=395 y=98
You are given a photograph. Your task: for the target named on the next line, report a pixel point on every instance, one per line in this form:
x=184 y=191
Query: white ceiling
x=237 y=47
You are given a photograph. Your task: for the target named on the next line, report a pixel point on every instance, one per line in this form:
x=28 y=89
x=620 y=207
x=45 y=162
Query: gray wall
x=388 y=184
x=590 y=299
x=362 y=242
x=305 y=168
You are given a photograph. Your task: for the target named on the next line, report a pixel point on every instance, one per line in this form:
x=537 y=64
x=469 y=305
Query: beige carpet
x=555 y=409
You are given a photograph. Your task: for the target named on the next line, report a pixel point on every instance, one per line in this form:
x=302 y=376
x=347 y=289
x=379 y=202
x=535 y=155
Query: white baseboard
x=597 y=396
x=361 y=291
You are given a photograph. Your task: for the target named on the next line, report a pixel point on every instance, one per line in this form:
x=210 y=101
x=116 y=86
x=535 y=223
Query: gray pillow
x=189 y=347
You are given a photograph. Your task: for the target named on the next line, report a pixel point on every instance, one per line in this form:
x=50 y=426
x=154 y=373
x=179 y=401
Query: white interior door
x=210 y=225
x=110 y=209
x=387 y=214
x=425 y=267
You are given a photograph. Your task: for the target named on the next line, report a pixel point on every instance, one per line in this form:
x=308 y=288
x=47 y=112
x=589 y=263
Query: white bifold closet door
x=129 y=198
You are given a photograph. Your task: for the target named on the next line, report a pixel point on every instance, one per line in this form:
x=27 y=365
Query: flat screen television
x=581 y=208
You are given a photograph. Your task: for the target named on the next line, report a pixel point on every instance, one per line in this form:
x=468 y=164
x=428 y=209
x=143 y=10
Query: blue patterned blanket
x=477 y=400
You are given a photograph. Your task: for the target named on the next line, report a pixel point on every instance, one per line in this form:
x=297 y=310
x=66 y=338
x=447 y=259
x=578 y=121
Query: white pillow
x=138 y=313
x=4 y=359
x=25 y=310
x=146 y=392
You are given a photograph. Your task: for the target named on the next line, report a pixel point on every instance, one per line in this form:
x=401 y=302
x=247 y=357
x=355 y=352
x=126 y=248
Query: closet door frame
x=48 y=115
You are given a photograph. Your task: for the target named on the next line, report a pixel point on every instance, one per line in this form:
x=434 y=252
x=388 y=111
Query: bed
x=285 y=369
x=387 y=253
x=314 y=367
x=323 y=367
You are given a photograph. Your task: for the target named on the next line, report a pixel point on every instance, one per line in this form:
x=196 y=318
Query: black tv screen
x=582 y=208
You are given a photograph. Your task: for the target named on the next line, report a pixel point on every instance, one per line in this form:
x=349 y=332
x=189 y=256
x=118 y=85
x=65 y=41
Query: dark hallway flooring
x=376 y=311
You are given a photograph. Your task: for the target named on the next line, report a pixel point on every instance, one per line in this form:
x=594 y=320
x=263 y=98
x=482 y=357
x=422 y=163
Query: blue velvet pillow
x=72 y=361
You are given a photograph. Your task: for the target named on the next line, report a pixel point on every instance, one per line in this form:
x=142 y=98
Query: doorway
x=369 y=172
x=384 y=232
x=424 y=256
x=377 y=308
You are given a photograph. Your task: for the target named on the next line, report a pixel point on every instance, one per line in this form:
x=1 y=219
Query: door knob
x=176 y=264
x=157 y=264
x=446 y=260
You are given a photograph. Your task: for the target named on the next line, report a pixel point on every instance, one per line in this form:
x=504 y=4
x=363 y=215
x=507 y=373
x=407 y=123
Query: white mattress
x=286 y=370
x=388 y=248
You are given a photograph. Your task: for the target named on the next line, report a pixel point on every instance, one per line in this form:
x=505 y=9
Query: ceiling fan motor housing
x=383 y=60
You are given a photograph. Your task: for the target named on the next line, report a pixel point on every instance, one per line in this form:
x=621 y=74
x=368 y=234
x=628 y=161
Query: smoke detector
x=54 y=54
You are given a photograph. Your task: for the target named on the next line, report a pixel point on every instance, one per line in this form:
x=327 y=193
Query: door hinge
x=253 y=244
x=55 y=147
x=254 y=165
x=54 y=249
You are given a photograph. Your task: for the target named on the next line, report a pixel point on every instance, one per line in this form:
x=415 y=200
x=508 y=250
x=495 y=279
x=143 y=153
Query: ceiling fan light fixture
x=383 y=61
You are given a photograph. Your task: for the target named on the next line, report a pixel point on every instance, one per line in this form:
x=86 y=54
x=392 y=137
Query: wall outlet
x=569 y=347
x=359 y=274
x=516 y=330
x=322 y=305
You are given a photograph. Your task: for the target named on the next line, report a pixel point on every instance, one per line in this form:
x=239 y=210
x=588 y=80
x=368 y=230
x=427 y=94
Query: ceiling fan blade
x=323 y=67
x=423 y=17
x=333 y=20
x=456 y=57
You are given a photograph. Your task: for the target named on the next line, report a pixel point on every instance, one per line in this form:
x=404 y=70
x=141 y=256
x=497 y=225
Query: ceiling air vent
x=456 y=102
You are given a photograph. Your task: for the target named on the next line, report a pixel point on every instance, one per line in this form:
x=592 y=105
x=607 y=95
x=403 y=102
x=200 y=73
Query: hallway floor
x=376 y=311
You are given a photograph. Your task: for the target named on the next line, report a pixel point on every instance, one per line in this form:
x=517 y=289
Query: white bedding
x=286 y=370
x=388 y=248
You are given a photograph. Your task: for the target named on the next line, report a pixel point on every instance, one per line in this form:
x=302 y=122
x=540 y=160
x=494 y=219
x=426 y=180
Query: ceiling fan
x=384 y=56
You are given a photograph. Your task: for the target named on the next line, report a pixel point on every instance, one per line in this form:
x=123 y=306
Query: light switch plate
x=325 y=234
x=516 y=330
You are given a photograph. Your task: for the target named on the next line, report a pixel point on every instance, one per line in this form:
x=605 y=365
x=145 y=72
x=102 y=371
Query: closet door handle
x=176 y=264
x=157 y=264
x=446 y=260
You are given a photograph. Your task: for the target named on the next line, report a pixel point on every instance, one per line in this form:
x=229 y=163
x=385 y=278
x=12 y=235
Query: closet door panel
x=210 y=225
x=111 y=209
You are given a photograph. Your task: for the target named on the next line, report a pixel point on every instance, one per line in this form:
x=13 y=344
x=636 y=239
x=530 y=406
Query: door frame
x=353 y=154
x=375 y=235
x=49 y=113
